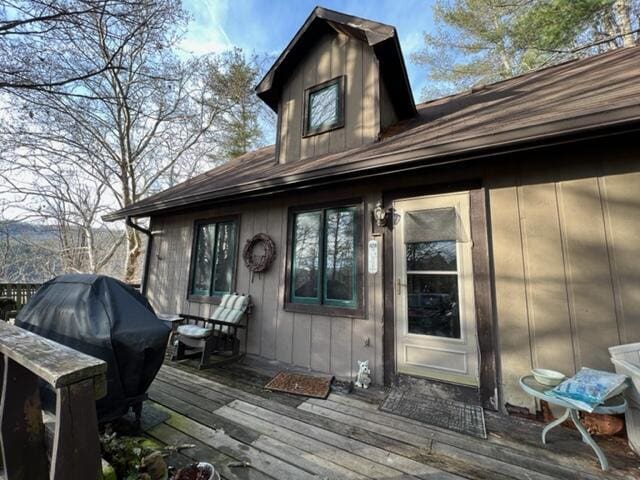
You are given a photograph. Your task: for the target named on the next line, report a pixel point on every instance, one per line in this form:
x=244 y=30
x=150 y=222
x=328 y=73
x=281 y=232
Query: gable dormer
x=336 y=86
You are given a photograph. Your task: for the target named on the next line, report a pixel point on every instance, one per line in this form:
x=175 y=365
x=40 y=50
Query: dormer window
x=324 y=107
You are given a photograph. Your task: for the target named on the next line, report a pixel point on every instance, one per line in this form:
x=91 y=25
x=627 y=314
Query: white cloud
x=206 y=32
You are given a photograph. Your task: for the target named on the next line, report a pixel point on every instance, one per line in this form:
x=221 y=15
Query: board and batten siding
x=566 y=257
x=334 y=55
x=563 y=232
x=320 y=343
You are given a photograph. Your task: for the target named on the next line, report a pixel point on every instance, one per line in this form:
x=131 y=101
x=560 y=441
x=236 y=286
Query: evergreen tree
x=483 y=41
x=234 y=77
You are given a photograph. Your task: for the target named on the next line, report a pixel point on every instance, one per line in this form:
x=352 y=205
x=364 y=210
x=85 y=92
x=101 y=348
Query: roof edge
x=470 y=151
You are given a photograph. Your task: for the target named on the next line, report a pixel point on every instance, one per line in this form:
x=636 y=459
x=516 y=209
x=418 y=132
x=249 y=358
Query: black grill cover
x=109 y=320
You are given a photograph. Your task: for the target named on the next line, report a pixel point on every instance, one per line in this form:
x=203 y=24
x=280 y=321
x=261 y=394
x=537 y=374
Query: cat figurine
x=363 y=378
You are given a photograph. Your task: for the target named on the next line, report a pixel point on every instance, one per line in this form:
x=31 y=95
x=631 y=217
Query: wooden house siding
x=333 y=55
x=318 y=342
x=388 y=114
x=565 y=253
x=563 y=226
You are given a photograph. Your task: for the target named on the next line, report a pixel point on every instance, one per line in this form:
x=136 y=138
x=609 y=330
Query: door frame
x=482 y=285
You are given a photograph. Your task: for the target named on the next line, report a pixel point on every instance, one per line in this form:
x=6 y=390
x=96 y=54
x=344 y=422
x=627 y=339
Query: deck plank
x=456 y=458
x=204 y=453
x=338 y=456
x=203 y=416
x=442 y=462
x=542 y=459
x=320 y=440
x=205 y=388
x=241 y=451
x=217 y=395
x=308 y=461
x=488 y=462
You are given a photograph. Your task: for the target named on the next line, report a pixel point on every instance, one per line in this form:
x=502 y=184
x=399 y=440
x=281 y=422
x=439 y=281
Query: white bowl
x=547 y=377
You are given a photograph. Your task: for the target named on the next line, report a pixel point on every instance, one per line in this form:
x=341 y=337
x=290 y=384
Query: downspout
x=147 y=253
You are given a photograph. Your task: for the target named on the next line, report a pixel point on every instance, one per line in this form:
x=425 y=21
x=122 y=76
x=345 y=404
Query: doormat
x=457 y=416
x=298 y=384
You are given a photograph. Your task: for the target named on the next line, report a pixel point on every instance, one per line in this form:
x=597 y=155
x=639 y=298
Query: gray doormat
x=449 y=414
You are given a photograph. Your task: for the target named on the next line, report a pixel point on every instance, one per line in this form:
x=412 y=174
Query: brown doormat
x=298 y=384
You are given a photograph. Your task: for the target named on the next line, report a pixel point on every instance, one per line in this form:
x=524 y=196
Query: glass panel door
x=435 y=312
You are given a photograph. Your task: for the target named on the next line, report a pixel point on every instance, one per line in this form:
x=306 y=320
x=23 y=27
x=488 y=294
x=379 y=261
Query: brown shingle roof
x=576 y=96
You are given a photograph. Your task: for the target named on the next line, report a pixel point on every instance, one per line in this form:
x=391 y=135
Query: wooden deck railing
x=22 y=292
x=77 y=379
x=19 y=292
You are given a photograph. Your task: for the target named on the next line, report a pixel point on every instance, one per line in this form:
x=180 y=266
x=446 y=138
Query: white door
x=434 y=309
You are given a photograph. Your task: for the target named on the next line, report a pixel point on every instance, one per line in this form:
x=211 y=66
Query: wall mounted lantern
x=379 y=215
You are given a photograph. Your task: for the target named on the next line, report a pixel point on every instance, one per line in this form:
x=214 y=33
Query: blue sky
x=266 y=26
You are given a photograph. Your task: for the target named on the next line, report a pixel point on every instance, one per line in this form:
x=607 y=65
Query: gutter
x=147 y=253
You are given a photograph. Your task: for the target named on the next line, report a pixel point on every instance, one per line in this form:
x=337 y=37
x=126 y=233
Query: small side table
x=173 y=321
x=612 y=406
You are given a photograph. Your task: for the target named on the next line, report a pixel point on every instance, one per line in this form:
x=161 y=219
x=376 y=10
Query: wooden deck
x=250 y=433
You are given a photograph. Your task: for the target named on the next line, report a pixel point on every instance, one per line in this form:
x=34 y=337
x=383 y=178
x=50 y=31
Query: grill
x=109 y=320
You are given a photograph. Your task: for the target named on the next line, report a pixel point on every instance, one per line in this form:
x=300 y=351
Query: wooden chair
x=218 y=334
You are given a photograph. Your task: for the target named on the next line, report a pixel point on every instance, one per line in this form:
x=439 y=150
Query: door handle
x=399 y=286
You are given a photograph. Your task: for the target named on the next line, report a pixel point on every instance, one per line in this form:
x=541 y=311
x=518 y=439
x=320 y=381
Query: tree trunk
x=623 y=14
x=134 y=251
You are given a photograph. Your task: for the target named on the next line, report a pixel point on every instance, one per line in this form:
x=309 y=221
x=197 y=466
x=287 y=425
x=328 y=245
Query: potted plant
x=197 y=471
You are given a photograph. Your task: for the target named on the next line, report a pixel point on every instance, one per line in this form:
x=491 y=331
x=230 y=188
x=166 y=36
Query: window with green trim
x=324 y=257
x=324 y=107
x=213 y=258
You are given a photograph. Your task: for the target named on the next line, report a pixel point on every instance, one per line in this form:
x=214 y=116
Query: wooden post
x=21 y=427
x=76 y=446
x=78 y=380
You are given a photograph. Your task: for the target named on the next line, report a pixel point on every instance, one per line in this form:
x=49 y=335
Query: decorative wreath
x=259 y=264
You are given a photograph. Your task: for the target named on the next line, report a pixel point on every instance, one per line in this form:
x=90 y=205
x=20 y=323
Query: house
x=463 y=240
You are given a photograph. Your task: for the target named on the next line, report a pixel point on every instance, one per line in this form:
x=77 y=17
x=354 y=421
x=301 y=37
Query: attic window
x=324 y=107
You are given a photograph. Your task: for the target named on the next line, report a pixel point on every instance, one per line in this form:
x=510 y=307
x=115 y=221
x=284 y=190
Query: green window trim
x=321 y=276
x=211 y=292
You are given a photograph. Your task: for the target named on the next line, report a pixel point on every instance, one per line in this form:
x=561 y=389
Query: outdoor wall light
x=379 y=215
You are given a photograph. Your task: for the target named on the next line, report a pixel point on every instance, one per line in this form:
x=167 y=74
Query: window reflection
x=224 y=256
x=433 y=305
x=306 y=254
x=323 y=107
x=432 y=256
x=340 y=257
x=204 y=259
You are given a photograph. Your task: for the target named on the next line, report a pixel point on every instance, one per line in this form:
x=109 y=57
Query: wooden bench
x=77 y=380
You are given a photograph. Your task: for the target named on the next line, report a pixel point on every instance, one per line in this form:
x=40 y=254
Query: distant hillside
x=31 y=252
x=25 y=229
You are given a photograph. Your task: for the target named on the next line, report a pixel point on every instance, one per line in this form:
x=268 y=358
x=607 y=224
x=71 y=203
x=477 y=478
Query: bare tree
x=139 y=126
x=38 y=40
x=70 y=204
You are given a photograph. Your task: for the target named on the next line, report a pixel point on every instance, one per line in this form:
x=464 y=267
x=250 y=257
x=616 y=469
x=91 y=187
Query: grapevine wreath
x=255 y=263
